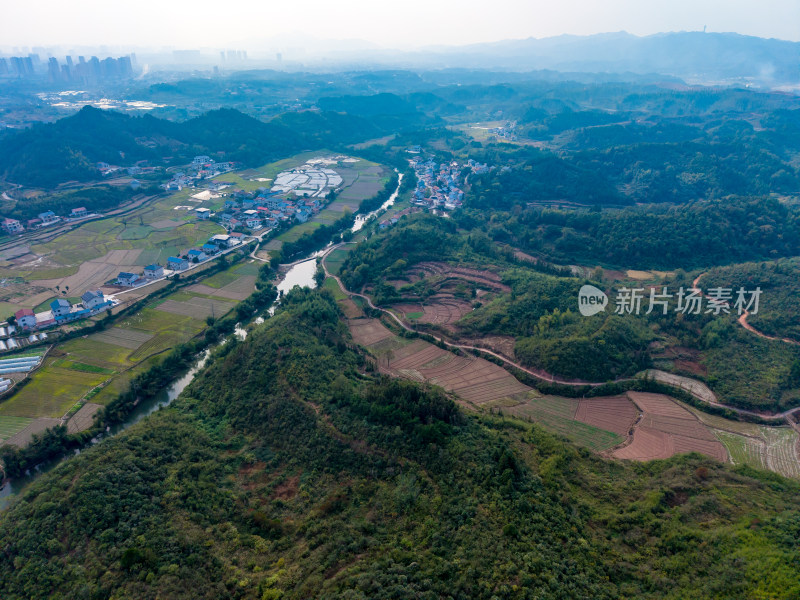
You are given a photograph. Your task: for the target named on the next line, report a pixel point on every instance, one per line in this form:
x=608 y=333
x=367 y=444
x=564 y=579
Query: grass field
x=333 y=287
x=8 y=308
x=294 y=234
x=12 y=425
x=556 y=414
x=136 y=233
x=51 y=392
x=335 y=259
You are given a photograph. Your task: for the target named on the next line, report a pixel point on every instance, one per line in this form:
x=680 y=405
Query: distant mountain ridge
x=68 y=149
x=694 y=56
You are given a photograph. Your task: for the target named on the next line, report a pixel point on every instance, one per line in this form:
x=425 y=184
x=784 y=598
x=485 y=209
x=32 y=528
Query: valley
x=320 y=335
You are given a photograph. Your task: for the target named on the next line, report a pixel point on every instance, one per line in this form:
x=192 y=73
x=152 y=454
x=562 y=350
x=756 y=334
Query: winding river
x=300 y=274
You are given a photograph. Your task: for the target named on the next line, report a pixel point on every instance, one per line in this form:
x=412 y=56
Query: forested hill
x=695 y=235
x=68 y=149
x=289 y=470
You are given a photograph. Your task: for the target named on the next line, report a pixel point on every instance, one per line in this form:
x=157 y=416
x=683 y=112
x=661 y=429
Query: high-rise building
x=53 y=72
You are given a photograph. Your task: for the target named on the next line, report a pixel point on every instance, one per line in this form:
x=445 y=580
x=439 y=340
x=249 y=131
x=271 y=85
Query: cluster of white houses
x=201 y=167
x=439 y=185
x=44 y=219
x=264 y=211
x=63 y=311
x=176 y=264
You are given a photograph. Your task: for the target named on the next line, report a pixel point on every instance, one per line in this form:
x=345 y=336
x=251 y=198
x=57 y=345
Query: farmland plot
x=368 y=331
x=127 y=338
x=238 y=289
x=475 y=380
x=559 y=414
x=666 y=429
x=616 y=413
x=82 y=420
x=10 y=426
x=438 y=310
x=197 y=308
x=744 y=450
x=781 y=450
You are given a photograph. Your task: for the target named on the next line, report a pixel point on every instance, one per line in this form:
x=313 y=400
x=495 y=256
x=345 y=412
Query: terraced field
x=781 y=450
x=772 y=448
x=744 y=450
x=666 y=429
x=615 y=413
x=474 y=380
x=441 y=309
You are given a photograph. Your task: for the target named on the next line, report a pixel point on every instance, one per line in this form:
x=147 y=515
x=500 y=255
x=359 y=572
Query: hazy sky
x=247 y=24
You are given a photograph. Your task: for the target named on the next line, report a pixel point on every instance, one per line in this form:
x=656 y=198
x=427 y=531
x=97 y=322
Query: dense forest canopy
x=311 y=477
x=699 y=234
x=69 y=148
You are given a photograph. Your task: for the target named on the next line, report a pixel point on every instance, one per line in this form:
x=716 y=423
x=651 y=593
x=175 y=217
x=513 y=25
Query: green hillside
x=288 y=470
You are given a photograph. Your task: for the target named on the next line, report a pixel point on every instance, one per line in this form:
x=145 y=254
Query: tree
x=794 y=372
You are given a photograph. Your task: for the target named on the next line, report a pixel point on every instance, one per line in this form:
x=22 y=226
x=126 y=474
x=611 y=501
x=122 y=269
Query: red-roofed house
x=25 y=318
x=13 y=226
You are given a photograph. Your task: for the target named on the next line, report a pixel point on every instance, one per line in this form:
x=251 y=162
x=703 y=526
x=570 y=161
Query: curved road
x=742 y=320
x=539 y=375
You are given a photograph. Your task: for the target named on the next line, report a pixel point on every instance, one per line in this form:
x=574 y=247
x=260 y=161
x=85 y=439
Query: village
x=440 y=186
x=45 y=219
x=296 y=195
x=201 y=168
x=61 y=311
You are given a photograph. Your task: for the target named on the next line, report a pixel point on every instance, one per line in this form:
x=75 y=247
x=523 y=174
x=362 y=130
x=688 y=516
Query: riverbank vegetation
x=312 y=478
x=142 y=384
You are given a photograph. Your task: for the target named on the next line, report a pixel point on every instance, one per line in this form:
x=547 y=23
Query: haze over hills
x=694 y=56
x=691 y=55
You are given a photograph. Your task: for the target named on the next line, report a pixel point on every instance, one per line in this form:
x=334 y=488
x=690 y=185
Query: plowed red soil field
x=368 y=331
x=666 y=429
x=615 y=413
